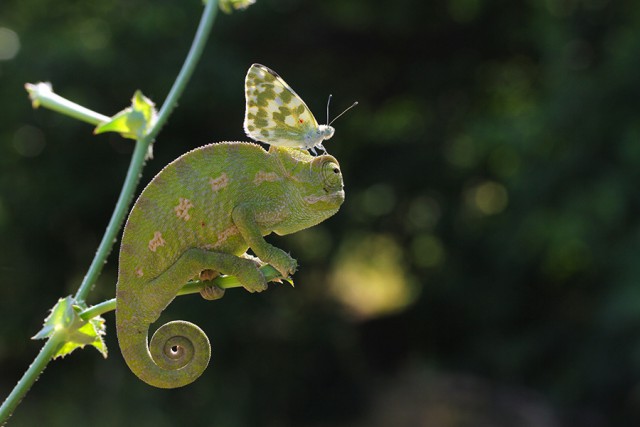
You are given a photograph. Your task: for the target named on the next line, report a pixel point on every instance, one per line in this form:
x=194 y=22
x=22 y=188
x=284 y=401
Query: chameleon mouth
x=332 y=198
x=336 y=197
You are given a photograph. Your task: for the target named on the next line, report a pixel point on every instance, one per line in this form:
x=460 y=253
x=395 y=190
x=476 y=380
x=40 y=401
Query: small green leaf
x=76 y=333
x=280 y=280
x=133 y=122
x=227 y=6
x=289 y=280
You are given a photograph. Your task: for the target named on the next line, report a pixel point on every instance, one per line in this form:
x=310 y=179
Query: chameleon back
x=189 y=204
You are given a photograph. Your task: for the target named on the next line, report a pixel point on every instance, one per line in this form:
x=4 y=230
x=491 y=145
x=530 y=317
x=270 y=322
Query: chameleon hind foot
x=210 y=292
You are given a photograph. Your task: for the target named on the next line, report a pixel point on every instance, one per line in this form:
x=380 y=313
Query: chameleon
x=196 y=219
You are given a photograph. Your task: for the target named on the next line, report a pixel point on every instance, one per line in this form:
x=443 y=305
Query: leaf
x=281 y=280
x=227 y=6
x=289 y=280
x=133 y=122
x=76 y=333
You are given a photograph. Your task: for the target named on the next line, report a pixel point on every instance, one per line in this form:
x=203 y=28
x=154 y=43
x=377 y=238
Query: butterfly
x=276 y=115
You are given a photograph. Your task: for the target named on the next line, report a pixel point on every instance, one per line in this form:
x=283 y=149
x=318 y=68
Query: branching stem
x=57 y=103
x=142 y=146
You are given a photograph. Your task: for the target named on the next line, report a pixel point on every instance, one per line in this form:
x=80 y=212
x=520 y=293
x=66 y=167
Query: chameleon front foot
x=282 y=261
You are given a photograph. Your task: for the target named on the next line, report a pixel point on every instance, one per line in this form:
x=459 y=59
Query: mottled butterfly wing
x=275 y=114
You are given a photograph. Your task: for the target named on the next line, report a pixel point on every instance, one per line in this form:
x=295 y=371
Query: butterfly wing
x=274 y=113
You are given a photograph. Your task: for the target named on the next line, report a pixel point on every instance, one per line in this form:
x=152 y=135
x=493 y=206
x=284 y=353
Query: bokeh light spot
x=427 y=250
x=566 y=258
x=461 y=152
x=423 y=213
x=9 y=44
x=370 y=278
x=312 y=244
x=29 y=141
x=488 y=198
x=377 y=200
x=400 y=118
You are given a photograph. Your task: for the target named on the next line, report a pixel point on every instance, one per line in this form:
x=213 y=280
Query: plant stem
x=42 y=95
x=225 y=282
x=117 y=218
x=133 y=175
x=30 y=376
x=202 y=33
x=142 y=145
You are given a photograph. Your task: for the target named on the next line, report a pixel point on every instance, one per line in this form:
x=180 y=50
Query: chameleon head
x=325 y=173
x=316 y=190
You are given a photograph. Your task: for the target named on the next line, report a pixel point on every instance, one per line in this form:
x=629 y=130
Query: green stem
x=53 y=101
x=225 y=282
x=30 y=376
x=117 y=218
x=142 y=145
x=42 y=95
x=204 y=28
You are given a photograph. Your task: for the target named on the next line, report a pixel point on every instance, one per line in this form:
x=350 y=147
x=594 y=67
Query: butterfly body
x=314 y=138
x=276 y=115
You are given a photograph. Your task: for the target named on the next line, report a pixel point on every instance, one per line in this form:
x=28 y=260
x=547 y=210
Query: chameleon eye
x=331 y=176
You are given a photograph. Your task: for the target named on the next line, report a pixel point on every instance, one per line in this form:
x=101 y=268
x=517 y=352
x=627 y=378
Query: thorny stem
x=137 y=162
x=30 y=376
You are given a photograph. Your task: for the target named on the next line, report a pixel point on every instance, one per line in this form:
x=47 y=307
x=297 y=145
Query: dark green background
x=483 y=270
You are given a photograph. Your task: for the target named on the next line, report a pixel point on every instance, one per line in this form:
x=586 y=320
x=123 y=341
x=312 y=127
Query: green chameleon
x=197 y=218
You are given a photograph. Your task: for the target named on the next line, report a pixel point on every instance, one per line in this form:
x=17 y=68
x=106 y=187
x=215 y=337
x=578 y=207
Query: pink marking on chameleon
x=219 y=182
x=182 y=210
x=262 y=176
x=225 y=234
x=139 y=272
x=156 y=242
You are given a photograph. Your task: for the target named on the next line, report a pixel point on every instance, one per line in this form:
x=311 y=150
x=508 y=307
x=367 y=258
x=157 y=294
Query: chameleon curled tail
x=177 y=354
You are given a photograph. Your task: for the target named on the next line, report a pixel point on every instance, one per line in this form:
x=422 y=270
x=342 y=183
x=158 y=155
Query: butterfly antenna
x=328 y=102
x=352 y=105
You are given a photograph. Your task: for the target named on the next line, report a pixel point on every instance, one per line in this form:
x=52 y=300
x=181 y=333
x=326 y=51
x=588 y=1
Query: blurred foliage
x=482 y=271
